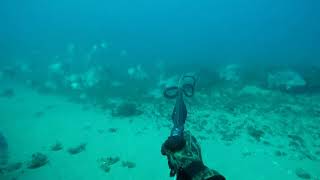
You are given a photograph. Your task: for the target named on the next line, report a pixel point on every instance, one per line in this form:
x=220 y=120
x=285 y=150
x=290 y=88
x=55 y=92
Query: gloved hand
x=181 y=152
x=173 y=144
x=184 y=159
x=170 y=146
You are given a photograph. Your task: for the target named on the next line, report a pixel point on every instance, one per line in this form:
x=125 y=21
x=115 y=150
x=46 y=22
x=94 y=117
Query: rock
x=38 y=160
x=128 y=164
x=279 y=153
x=126 y=110
x=230 y=73
x=112 y=130
x=286 y=80
x=255 y=133
x=105 y=167
x=56 y=147
x=106 y=163
x=109 y=160
x=77 y=149
x=303 y=174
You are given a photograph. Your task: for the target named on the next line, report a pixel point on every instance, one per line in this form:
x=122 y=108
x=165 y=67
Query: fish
x=3 y=150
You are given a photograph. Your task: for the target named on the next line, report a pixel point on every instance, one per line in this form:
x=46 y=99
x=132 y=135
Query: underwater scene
x=170 y=89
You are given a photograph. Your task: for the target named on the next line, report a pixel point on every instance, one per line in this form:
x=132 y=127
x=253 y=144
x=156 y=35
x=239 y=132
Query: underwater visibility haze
x=96 y=89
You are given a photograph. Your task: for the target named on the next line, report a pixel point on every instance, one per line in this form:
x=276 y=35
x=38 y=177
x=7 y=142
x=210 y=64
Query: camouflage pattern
x=206 y=174
x=190 y=153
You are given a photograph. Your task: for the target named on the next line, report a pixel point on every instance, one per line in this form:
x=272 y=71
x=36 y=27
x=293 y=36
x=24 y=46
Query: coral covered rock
x=286 y=80
x=230 y=73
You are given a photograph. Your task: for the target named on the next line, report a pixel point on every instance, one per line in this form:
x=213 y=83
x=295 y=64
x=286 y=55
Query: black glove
x=173 y=144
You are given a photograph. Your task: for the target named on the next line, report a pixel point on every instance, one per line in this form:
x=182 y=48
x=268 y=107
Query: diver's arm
x=181 y=166
x=198 y=171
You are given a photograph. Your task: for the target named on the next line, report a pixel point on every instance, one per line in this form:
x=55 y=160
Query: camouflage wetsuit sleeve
x=187 y=162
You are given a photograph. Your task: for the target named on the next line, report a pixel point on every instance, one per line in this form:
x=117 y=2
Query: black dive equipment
x=185 y=87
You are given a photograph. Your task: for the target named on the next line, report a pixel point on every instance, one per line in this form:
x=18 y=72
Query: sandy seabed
x=33 y=122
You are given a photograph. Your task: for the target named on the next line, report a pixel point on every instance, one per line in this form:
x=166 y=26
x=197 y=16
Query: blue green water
x=207 y=31
x=75 y=74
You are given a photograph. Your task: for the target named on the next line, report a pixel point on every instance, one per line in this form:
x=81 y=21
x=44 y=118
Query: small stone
x=106 y=163
x=245 y=154
x=126 y=109
x=303 y=174
x=110 y=160
x=77 y=149
x=56 y=147
x=105 y=168
x=38 y=114
x=128 y=164
x=279 y=153
x=112 y=130
x=255 y=133
x=38 y=160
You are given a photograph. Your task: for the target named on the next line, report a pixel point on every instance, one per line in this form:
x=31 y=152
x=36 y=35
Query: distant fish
x=3 y=150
